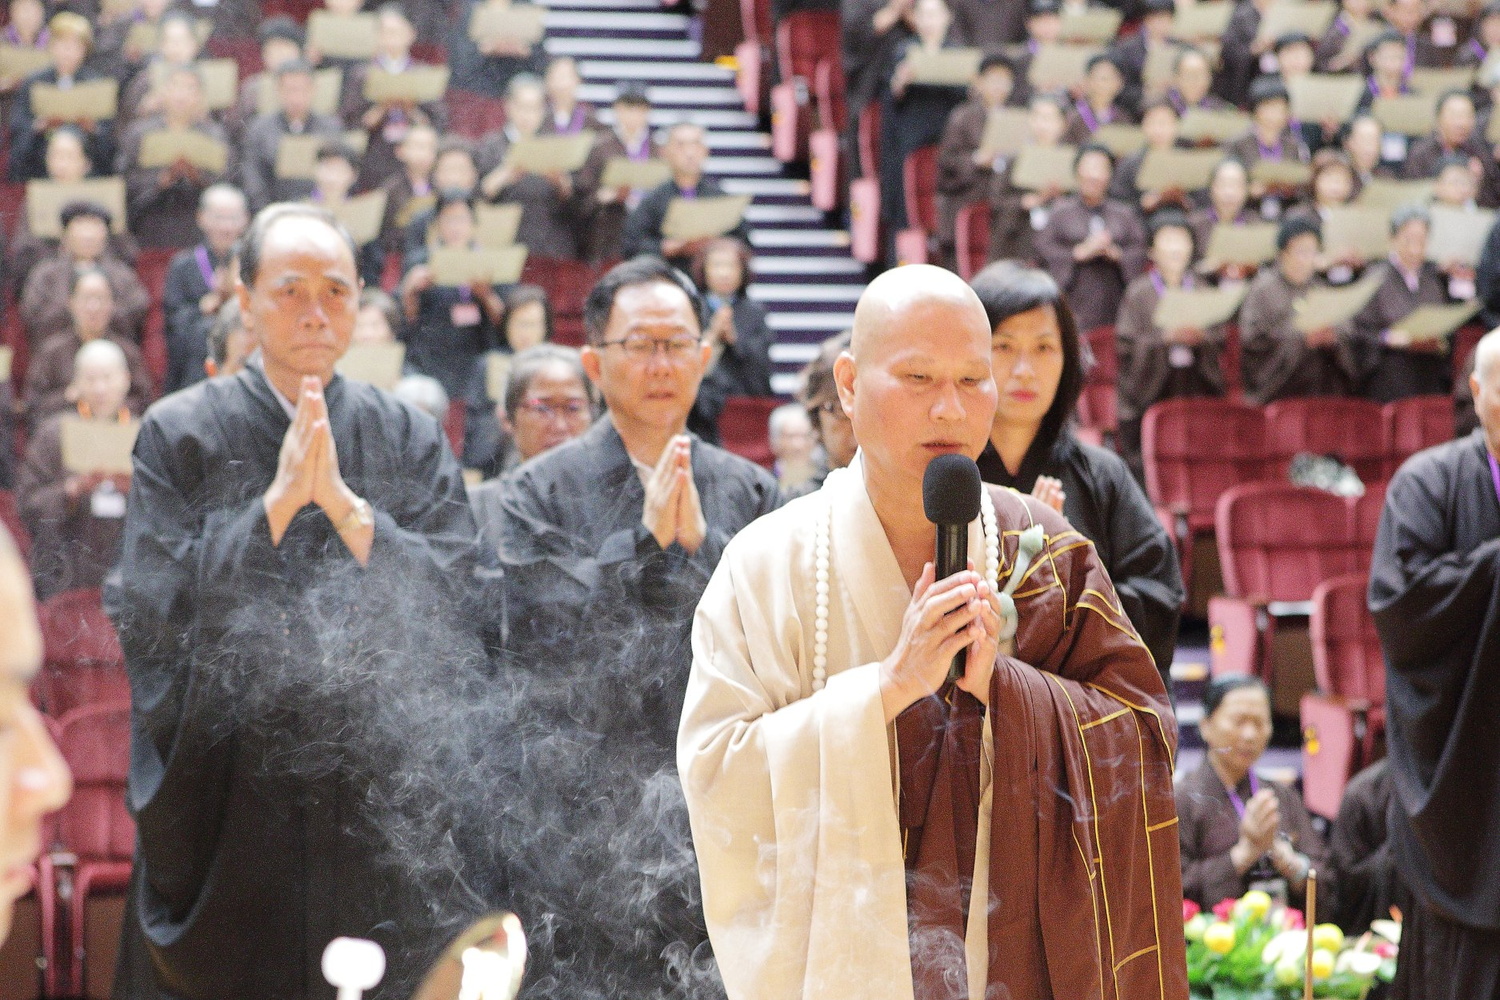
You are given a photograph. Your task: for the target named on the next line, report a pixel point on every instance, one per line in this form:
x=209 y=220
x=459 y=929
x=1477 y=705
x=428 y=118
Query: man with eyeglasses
x=608 y=541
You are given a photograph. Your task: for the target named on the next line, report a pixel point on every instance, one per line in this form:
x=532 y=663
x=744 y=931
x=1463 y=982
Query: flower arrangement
x=1248 y=949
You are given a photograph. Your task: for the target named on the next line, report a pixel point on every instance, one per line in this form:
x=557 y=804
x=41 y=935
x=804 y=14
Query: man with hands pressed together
x=829 y=762
x=282 y=524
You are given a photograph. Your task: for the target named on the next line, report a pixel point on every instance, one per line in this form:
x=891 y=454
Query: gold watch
x=359 y=516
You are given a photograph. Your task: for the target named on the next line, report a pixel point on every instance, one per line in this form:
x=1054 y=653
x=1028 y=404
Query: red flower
x=1190 y=910
x=1224 y=908
x=1385 y=949
x=1293 y=920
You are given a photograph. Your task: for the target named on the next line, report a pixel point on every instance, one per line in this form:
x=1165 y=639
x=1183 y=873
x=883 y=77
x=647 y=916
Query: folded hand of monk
x=944 y=618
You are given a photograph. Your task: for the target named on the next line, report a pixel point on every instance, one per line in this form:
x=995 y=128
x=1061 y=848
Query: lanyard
x=1494 y=473
x=205 y=266
x=1239 y=803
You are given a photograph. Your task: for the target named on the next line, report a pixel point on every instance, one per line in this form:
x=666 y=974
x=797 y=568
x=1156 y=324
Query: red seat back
x=567 y=283
x=95 y=742
x=831 y=93
x=83 y=661
x=1197 y=449
x=744 y=427
x=10 y=517
x=803 y=38
x=869 y=140
x=971 y=231
x=1364 y=513
x=1345 y=427
x=1098 y=406
x=1277 y=541
x=1464 y=342
x=1346 y=648
x=1415 y=423
x=755 y=20
x=919 y=175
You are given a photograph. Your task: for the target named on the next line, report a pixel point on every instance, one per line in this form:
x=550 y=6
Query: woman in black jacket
x=737 y=331
x=1039 y=371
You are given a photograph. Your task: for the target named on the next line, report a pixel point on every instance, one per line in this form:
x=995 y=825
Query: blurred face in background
x=1334 y=186
x=372 y=327
x=1046 y=122
x=66 y=160
x=722 y=271
x=334 y=177
x=1228 y=190
x=526 y=326
x=455 y=225
x=1409 y=244
x=102 y=381
x=1455 y=186
x=1299 y=260
x=418 y=151
x=455 y=170
x=562 y=84
x=91 y=305
x=394 y=36
x=295 y=91
x=1193 y=77
x=524 y=110
x=554 y=409
x=84 y=238
x=179 y=43
x=1171 y=251
x=994 y=86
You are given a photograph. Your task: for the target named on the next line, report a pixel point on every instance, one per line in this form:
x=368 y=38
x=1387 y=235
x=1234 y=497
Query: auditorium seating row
x=66 y=931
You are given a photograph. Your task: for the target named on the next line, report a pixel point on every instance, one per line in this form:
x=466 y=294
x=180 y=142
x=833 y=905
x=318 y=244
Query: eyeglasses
x=641 y=349
x=571 y=409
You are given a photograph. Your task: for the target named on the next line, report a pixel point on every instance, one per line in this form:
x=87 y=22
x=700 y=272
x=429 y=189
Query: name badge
x=107 y=503
x=1269 y=63
x=1462 y=289
x=465 y=314
x=394 y=132
x=1180 y=356
x=1444 y=32
x=1340 y=274
x=1392 y=146
x=1270 y=209
x=1039 y=217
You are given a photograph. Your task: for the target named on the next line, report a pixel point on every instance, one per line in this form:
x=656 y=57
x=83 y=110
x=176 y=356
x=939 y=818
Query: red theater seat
x=1347 y=428
x=864 y=190
x=919 y=184
x=473 y=115
x=10 y=517
x=1343 y=722
x=1098 y=407
x=83 y=663
x=94 y=829
x=824 y=145
x=744 y=427
x=750 y=56
x=1413 y=424
x=971 y=232
x=804 y=38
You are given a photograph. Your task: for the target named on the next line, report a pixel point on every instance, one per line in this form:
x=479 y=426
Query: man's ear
x=591 y=363
x=844 y=372
x=242 y=295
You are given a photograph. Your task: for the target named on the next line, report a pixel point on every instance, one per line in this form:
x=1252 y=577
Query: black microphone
x=950 y=499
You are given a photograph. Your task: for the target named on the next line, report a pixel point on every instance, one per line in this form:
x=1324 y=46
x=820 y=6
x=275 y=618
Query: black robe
x=1359 y=849
x=643 y=224
x=1435 y=595
x=264 y=681
x=599 y=619
x=743 y=368
x=187 y=324
x=1108 y=508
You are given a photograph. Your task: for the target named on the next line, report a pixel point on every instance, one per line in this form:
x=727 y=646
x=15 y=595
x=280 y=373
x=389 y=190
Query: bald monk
x=842 y=791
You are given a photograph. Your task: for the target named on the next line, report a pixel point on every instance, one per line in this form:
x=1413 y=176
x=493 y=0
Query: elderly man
x=1433 y=581
x=74 y=518
x=294 y=117
x=607 y=542
x=198 y=283
x=829 y=760
x=281 y=523
x=685 y=151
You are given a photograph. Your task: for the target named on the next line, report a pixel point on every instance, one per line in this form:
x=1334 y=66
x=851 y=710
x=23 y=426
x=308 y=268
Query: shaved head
x=886 y=311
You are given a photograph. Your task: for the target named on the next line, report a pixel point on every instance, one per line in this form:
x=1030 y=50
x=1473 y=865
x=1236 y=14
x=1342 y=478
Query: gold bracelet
x=359 y=516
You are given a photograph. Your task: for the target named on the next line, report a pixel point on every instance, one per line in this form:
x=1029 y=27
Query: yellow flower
x=1322 y=963
x=1255 y=903
x=1328 y=936
x=1219 y=937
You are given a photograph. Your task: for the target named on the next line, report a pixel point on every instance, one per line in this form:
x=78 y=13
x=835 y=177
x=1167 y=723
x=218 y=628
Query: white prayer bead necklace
x=823 y=531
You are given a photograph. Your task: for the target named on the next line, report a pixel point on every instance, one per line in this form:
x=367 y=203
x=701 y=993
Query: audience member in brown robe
x=74 y=518
x=1192 y=80
x=566 y=114
x=1389 y=369
x=1238 y=831
x=989 y=24
x=1228 y=198
x=258 y=176
x=1406 y=18
x=1334 y=52
x=1277 y=359
x=549 y=203
x=1242 y=52
x=1455 y=134
x=1271 y=137
x=49 y=375
x=164 y=200
x=414 y=190
x=1093 y=246
x=69 y=42
x=44 y=299
x=1099 y=103
x=177 y=46
x=1359 y=848
x=870 y=29
x=198 y=283
x=1332 y=187
x=1362 y=139
x=606 y=207
x=67 y=163
x=1135 y=52
x=389 y=121
x=1157 y=364
x=281 y=41
x=1017 y=215
x=1159 y=123
x=965 y=170
x=1043 y=27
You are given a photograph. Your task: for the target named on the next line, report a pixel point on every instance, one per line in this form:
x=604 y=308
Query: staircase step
x=649 y=70
x=825 y=324
x=793 y=354
x=764 y=267
x=783 y=186
x=783 y=239
x=806 y=294
x=742 y=166
x=783 y=215
x=599 y=22
x=645 y=48
x=642 y=6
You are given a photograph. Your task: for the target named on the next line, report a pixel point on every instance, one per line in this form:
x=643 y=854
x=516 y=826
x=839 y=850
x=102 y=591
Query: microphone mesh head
x=950 y=490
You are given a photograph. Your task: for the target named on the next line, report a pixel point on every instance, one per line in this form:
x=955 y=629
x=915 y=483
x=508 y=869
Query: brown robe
x=1093 y=287
x=27 y=250
x=959 y=181
x=44 y=300
x=1012 y=235
x=401 y=206
x=1080 y=133
x=989 y=24
x=1147 y=374
x=70 y=547
x=258 y=149
x=549 y=222
x=166 y=216
x=1276 y=361
x=1208 y=827
x=1391 y=373
x=1426 y=153
x=50 y=372
x=605 y=224
x=1076 y=711
x=380 y=160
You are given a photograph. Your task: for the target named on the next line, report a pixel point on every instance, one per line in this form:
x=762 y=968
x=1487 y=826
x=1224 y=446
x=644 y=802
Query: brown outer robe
x=1084 y=740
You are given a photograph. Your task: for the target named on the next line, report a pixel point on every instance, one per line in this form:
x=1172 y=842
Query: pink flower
x=1292 y=920
x=1224 y=909
x=1385 y=949
x=1190 y=910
